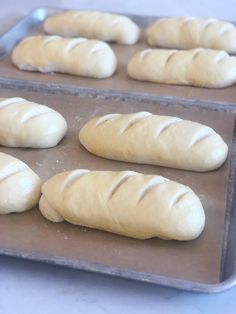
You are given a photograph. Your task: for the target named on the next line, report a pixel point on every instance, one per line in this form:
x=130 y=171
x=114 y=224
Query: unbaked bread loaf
x=20 y=187
x=27 y=124
x=77 y=56
x=93 y=25
x=191 y=32
x=126 y=202
x=197 y=67
x=151 y=139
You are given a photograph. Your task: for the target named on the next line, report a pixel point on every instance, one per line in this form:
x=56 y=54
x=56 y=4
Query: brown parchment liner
x=197 y=260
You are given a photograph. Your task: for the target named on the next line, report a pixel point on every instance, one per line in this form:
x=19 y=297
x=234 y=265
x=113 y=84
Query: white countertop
x=30 y=287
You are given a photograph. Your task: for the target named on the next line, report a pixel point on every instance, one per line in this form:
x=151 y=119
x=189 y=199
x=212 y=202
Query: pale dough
x=191 y=32
x=93 y=25
x=27 y=124
x=77 y=56
x=20 y=187
x=126 y=202
x=151 y=139
x=197 y=67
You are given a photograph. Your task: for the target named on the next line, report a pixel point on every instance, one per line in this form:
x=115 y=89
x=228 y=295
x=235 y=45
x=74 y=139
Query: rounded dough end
x=216 y=160
x=131 y=36
x=190 y=224
x=51 y=139
x=212 y=153
x=107 y=68
x=26 y=188
x=48 y=211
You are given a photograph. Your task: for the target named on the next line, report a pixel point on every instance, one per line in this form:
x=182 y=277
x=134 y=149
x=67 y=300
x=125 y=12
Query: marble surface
x=29 y=287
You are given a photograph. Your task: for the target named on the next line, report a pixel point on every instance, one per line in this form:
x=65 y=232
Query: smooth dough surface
x=20 y=187
x=27 y=124
x=191 y=32
x=93 y=25
x=77 y=56
x=124 y=202
x=197 y=67
x=151 y=139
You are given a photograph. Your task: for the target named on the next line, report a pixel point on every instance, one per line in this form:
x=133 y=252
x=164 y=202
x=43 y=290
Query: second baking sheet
x=120 y=80
x=198 y=260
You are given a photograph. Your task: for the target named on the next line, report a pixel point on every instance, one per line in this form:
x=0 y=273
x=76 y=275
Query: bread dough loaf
x=19 y=185
x=197 y=67
x=151 y=139
x=26 y=124
x=78 y=56
x=191 y=32
x=93 y=25
x=126 y=202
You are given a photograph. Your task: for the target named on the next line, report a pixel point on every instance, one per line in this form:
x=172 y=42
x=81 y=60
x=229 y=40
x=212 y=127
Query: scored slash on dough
x=208 y=24
x=15 y=172
x=150 y=186
x=10 y=101
x=222 y=55
x=202 y=135
x=74 y=43
x=179 y=197
x=106 y=118
x=169 y=124
x=221 y=59
x=201 y=139
x=171 y=56
x=74 y=176
x=227 y=29
x=144 y=53
x=35 y=113
x=197 y=53
x=119 y=184
x=99 y=47
x=139 y=117
x=49 y=40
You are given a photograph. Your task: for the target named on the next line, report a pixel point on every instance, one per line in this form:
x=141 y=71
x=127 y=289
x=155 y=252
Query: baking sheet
x=118 y=82
x=196 y=261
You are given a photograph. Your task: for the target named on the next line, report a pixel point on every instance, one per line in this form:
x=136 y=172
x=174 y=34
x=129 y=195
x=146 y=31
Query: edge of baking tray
x=121 y=95
x=123 y=272
x=23 y=27
x=228 y=258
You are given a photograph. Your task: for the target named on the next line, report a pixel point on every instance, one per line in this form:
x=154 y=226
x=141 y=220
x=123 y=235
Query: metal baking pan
x=206 y=264
x=119 y=82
